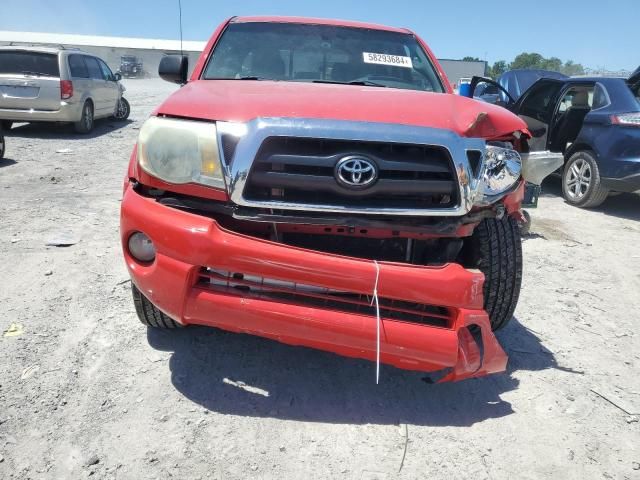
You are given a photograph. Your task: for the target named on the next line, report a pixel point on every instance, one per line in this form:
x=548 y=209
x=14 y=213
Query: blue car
x=592 y=123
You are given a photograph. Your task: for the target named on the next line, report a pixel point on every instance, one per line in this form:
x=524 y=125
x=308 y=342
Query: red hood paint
x=243 y=100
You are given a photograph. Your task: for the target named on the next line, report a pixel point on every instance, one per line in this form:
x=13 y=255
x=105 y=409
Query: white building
x=110 y=49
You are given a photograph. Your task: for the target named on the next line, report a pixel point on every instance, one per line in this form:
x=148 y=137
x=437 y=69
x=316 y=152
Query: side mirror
x=465 y=90
x=117 y=76
x=174 y=69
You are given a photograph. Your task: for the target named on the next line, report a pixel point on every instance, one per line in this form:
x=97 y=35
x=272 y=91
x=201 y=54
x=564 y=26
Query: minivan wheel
x=581 y=183
x=122 y=110
x=85 y=125
x=6 y=125
x=496 y=250
x=148 y=314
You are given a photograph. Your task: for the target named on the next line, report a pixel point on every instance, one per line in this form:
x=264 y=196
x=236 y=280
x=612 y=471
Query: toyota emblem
x=356 y=172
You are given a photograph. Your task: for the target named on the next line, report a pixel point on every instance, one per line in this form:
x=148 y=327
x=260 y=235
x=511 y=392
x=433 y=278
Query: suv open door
x=536 y=107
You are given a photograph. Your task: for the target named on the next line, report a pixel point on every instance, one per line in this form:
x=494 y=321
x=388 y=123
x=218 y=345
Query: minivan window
x=322 y=53
x=106 y=71
x=29 y=63
x=94 y=68
x=78 y=67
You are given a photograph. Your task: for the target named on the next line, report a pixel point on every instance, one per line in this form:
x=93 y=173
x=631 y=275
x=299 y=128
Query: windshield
x=29 y=63
x=322 y=53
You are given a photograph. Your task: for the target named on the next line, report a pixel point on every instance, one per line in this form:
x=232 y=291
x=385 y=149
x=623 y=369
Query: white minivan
x=41 y=84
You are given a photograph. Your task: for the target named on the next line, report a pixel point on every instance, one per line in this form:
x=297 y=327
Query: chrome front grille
x=289 y=164
x=303 y=171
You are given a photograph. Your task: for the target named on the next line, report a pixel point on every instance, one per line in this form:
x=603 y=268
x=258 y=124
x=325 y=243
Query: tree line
x=531 y=60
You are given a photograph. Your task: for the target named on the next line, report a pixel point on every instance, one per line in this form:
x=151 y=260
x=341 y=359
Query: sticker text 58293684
x=385 y=59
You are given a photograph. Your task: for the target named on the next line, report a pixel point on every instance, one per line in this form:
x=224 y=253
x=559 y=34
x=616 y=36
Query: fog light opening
x=141 y=248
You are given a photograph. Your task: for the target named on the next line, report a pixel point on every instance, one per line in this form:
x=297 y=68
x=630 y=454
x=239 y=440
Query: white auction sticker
x=384 y=59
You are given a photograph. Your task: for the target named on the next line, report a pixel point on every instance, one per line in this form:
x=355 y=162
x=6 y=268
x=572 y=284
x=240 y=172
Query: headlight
x=180 y=151
x=502 y=167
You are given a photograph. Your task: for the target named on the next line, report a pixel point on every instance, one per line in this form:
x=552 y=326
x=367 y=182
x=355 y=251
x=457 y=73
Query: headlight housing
x=180 y=151
x=501 y=171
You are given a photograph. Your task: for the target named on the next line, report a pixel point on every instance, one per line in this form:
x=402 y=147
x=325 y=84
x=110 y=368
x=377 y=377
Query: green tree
x=553 y=64
x=527 y=60
x=570 y=68
x=498 y=68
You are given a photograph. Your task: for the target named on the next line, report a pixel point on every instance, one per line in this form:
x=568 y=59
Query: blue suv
x=593 y=123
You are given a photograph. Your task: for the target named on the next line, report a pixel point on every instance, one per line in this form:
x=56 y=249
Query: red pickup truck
x=318 y=183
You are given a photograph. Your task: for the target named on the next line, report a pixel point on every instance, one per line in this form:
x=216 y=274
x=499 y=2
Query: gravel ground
x=86 y=390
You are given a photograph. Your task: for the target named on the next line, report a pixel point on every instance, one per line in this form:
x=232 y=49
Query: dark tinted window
x=106 y=71
x=537 y=101
x=78 y=67
x=600 y=97
x=322 y=53
x=15 y=61
x=94 y=68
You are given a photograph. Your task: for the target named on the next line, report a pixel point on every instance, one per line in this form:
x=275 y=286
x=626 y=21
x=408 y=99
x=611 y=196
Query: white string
x=378 y=321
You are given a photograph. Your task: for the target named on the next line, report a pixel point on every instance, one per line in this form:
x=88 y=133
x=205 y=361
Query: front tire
x=496 y=247
x=85 y=125
x=581 y=183
x=122 y=110
x=148 y=314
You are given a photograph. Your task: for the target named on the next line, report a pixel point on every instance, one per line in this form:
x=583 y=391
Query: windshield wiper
x=36 y=74
x=365 y=83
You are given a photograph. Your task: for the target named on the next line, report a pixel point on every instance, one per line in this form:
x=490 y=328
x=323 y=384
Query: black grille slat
x=328 y=184
x=257 y=287
x=301 y=170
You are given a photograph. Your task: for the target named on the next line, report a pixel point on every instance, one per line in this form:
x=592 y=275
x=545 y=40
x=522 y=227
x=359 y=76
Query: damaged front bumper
x=206 y=275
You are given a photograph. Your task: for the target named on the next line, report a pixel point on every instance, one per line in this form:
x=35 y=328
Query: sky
x=596 y=34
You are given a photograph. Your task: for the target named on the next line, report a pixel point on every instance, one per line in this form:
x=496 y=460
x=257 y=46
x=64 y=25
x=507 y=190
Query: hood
x=244 y=100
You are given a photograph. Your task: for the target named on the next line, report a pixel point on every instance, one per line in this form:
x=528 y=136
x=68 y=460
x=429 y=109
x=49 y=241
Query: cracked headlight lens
x=502 y=168
x=180 y=151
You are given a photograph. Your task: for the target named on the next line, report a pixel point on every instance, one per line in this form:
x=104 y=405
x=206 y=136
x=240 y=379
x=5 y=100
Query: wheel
x=6 y=125
x=525 y=225
x=1 y=146
x=85 y=125
x=148 y=314
x=122 y=110
x=581 y=185
x=496 y=249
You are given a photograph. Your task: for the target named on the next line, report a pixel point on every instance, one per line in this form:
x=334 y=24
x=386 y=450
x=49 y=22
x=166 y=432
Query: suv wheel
x=148 y=314
x=496 y=249
x=122 y=110
x=85 y=125
x=581 y=185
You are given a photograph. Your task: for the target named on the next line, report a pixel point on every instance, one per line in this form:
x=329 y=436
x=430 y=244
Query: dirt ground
x=86 y=390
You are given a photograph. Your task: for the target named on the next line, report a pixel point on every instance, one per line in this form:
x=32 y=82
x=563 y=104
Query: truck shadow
x=245 y=375
x=7 y=162
x=65 y=131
